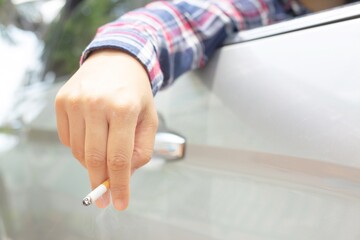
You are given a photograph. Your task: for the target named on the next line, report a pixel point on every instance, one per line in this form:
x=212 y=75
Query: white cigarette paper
x=96 y=193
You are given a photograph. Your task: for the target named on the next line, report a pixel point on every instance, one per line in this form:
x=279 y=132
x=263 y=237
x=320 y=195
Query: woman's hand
x=106 y=115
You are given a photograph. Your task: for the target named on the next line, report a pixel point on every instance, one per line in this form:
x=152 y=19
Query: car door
x=284 y=98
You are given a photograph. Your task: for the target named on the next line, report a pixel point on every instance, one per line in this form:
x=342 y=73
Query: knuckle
x=78 y=154
x=143 y=156
x=118 y=162
x=73 y=102
x=146 y=158
x=95 y=159
x=65 y=142
x=63 y=136
x=126 y=108
x=94 y=103
x=140 y=159
x=155 y=122
x=118 y=189
x=59 y=100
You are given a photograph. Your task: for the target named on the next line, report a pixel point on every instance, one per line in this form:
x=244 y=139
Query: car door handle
x=169 y=146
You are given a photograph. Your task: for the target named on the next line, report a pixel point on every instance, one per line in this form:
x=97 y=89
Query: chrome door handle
x=169 y=146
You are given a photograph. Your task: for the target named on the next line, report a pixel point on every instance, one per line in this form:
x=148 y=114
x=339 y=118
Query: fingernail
x=100 y=202
x=106 y=198
x=103 y=201
x=119 y=205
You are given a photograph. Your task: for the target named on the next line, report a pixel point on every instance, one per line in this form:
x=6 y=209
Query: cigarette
x=96 y=193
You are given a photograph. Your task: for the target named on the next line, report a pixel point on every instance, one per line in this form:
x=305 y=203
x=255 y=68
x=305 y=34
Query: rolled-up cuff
x=135 y=44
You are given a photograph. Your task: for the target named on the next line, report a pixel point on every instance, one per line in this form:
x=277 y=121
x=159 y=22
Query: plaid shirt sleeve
x=172 y=37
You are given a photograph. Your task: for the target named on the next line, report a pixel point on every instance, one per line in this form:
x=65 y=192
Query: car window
x=329 y=16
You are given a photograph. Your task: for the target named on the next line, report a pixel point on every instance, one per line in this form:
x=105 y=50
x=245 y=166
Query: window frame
x=330 y=16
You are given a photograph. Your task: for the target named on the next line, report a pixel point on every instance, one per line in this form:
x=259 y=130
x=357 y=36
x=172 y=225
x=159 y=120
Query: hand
x=106 y=115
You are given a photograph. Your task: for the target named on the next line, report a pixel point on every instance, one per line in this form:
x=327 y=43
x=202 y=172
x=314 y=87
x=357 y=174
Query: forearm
x=170 y=38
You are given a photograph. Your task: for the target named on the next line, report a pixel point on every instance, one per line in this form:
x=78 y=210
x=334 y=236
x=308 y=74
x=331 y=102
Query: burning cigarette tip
x=86 y=201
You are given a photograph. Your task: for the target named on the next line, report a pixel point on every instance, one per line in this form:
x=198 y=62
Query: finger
x=144 y=141
x=77 y=135
x=95 y=154
x=62 y=122
x=119 y=154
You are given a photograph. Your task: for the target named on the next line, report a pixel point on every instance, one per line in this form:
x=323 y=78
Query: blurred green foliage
x=8 y=12
x=68 y=36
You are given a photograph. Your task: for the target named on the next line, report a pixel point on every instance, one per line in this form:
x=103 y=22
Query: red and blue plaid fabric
x=172 y=37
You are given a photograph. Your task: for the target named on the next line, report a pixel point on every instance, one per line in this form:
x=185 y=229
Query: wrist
x=114 y=56
x=139 y=47
x=107 y=55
